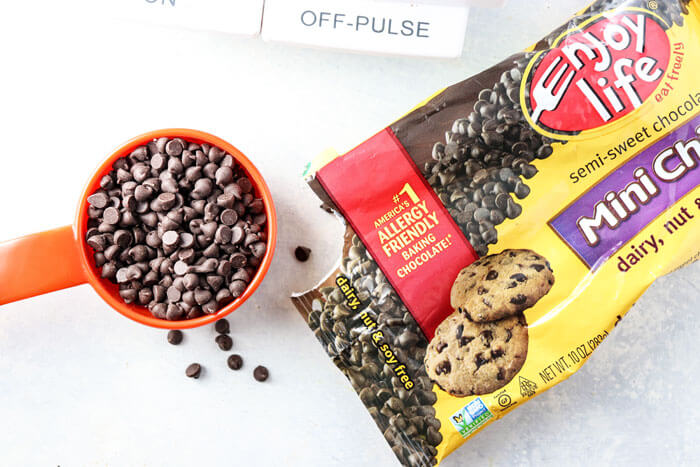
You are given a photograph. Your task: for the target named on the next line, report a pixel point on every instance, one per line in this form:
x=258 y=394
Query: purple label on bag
x=607 y=216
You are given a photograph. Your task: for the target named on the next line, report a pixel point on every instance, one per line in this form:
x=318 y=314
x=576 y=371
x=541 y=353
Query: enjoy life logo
x=596 y=73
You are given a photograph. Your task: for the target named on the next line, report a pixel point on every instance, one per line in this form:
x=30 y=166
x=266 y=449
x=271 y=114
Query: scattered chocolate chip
x=235 y=362
x=222 y=326
x=224 y=342
x=302 y=253
x=194 y=371
x=175 y=337
x=261 y=373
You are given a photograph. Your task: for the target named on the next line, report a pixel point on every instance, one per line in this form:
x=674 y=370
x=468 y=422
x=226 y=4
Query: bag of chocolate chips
x=497 y=233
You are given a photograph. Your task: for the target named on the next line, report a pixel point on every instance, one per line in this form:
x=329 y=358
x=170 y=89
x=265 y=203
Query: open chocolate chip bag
x=497 y=233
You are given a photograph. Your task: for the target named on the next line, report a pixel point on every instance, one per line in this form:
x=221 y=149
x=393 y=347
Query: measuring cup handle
x=39 y=263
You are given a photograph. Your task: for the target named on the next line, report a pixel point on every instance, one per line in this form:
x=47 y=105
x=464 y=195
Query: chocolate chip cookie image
x=466 y=358
x=501 y=285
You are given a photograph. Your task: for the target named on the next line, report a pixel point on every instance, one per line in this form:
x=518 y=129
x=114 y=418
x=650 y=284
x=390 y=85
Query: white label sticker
x=385 y=26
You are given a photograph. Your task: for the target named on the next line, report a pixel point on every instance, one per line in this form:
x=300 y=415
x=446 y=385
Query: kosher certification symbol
x=527 y=387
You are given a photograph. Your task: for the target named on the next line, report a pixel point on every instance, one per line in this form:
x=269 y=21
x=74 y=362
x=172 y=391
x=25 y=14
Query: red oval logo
x=597 y=74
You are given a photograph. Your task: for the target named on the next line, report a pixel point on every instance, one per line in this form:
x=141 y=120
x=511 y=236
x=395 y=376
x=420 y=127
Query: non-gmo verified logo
x=469 y=418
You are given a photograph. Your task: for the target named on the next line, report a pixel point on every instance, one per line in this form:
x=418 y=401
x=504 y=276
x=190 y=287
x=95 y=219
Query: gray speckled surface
x=82 y=386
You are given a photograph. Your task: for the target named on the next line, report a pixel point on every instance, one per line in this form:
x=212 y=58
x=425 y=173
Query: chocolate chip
x=258 y=249
x=302 y=253
x=175 y=337
x=194 y=371
x=492 y=275
x=519 y=299
x=174 y=312
x=443 y=368
x=520 y=277
x=98 y=200
x=229 y=217
x=237 y=288
x=487 y=336
x=224 y=342
x=111 y=216
x=174 y=148
x=238 y=260
x=261 y=373
x=222 y=326
x=234 y=361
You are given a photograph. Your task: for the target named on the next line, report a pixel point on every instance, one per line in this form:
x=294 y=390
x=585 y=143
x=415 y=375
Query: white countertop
x=82 y=386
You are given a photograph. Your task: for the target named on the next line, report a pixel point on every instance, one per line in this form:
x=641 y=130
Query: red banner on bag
x=403 y=224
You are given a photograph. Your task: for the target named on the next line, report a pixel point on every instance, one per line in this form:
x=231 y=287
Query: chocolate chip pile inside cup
x=177 y=225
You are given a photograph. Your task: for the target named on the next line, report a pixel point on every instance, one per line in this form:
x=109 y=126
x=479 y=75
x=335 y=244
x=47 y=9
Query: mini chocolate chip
x=482 y=290
x=237 y=288
x=479 y=361
x=302 y=253
x=202 y=296
x=537 y=267
x=261 y=373
x=443 y=368
x=210 y=307
x=215 y=281
x=175 y=337
x=193 y=371
x=222 y=326
x=237 y=235
x=464 y=340
x=519 y=299
x=491 y=275
x=520 y=277
x=98 y=200
x=229 y=217
x=111 y=216
x=174 y=148
x=174 y=313
x=238 y=260
x=488 y=337
x=170 y=238
x=224 y=342
x=258 y=249
x=441 y=346
x=235 y=362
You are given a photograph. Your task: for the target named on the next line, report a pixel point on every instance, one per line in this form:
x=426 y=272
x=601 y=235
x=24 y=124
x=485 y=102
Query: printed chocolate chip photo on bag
x=488 y=229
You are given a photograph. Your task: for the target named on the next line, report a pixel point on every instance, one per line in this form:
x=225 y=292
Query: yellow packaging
x=498 y=232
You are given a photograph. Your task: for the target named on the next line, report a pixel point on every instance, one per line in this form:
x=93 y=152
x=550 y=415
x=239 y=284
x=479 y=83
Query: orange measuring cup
x=60 y=258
